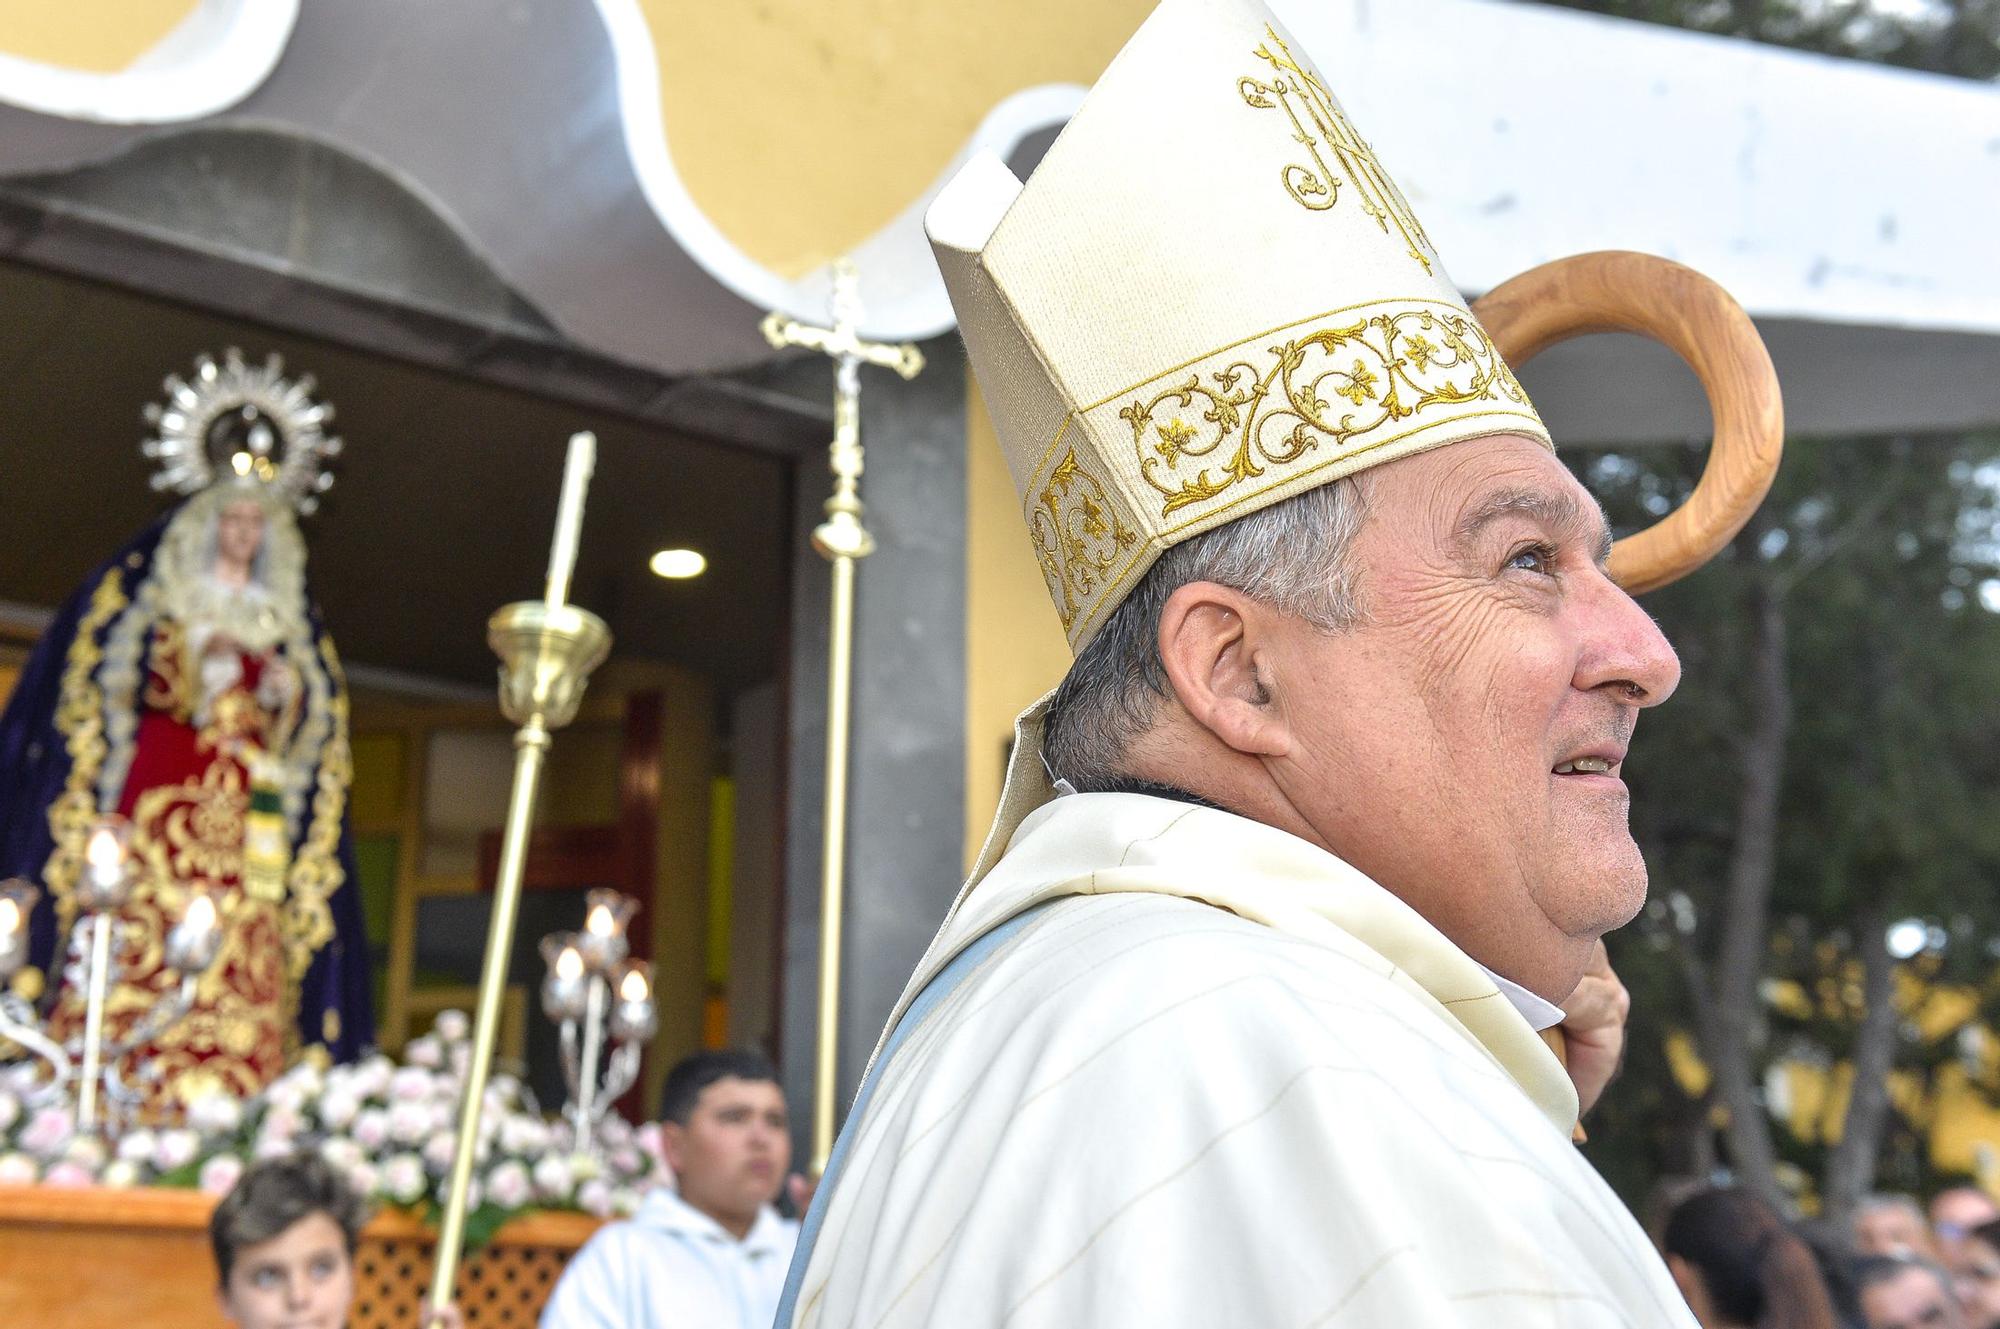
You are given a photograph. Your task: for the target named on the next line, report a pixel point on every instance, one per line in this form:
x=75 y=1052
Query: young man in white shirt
x=713 y=1253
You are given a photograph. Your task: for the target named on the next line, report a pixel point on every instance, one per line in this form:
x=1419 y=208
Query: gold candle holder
x=547 y=652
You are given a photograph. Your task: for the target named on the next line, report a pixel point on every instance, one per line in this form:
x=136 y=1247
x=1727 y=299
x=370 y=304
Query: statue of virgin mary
x=190 y=687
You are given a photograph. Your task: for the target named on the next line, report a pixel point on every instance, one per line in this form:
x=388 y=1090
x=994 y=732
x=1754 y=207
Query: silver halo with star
x=248 y=423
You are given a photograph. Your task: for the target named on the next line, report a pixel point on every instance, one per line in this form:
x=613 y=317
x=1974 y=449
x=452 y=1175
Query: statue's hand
x=1594 y=1028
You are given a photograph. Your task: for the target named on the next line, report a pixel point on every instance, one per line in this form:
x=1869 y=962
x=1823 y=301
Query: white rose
x=137 y=1146
x=341 y=1153
x=403 y=1178
x=87 y=1151
x=215 y=1114
x=523 y=1135
x=372 y=1075
x=452 y=1026
x=424 y=1053
x=371 y=1128
x=584 y=1167
x=280 y=1123
x=175 y=1149
x=219 y=1174
x=411 y=1084
x=285 y=1095
x=362 y=1177
x=272 y=1146
x=17 y=1170
x=10 y=1109
x=508 y=1185
x=409 y=1122
x=624 y=1201
x=552 y=1177
x=119 y=1174
x=337 y=1108
x=438 y=1151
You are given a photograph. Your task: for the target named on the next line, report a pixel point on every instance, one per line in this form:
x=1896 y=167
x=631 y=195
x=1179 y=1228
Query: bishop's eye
x=1537 y=558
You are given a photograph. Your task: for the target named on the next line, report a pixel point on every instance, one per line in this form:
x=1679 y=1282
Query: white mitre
x=1210 y=296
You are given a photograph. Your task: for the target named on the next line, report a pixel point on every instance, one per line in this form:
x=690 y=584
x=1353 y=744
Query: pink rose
x=219 y=1174
x=409 y=1122
x=371 y=1129
x=508 y=1185
x=424 y=1053
x=361 y=1178
x=594 y=1197
x=48 y=1131
x=438 y=1151
x=281 y=1122
x=68 y=1174
x=175 y=1149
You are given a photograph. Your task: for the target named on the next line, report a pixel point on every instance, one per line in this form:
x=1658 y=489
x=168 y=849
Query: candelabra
x=87 y=1065
x=593 y=988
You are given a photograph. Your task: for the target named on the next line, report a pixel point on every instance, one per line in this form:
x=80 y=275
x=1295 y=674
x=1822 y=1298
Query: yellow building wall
x=1015 y=649
x=802 y=127
x=92 y=36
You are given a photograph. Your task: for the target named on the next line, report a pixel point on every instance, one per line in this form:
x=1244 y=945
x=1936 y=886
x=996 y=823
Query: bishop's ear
x=1214 y=644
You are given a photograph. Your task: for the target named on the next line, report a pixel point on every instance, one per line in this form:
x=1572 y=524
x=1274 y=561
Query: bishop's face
x=1464 y=746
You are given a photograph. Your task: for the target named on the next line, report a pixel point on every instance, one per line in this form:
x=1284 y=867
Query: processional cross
x=843 y=541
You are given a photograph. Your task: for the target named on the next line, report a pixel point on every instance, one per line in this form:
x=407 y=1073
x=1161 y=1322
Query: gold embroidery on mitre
x=1078 y=534
x=1217 y=436
x=1319 y=123
x=1228 y=422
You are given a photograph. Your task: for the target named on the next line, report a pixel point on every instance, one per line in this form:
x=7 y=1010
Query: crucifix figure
x=843 y=540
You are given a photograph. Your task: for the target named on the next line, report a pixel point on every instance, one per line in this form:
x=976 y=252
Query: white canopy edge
x=1813 y=188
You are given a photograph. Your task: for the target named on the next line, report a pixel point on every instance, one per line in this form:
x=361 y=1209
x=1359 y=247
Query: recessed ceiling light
x=678 y=564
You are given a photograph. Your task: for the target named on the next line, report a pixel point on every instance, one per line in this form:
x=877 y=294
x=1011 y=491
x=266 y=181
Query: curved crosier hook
x=1617 y=291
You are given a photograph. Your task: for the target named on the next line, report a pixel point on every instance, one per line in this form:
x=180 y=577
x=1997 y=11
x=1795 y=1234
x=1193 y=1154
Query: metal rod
x=531 y=745
x=833 y=855
x=93 y=1022
x=586 y=1080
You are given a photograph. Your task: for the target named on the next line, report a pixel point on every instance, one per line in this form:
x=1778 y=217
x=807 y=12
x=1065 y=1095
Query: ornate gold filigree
x=1077 y=533
x=316 y=872
x=1203 y=435
x=1324 y=130
x=80 y=720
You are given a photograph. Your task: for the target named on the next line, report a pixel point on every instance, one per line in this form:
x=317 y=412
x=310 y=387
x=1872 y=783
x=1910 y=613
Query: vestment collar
x=1095 y=844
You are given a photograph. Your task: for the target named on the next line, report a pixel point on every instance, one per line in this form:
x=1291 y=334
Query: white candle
x=569 y=515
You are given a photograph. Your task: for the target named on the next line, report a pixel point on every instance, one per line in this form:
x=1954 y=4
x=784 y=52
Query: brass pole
x=547 y=652
x=531 y=745
x=833 y=855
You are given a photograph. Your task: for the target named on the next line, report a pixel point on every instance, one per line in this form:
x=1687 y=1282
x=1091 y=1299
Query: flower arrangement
x=391 y=1129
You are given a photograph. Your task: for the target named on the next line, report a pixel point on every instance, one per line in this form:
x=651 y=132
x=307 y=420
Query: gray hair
x=1293 y=556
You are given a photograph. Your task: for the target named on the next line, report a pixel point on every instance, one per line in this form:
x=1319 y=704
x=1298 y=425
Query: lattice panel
x=501 y=1287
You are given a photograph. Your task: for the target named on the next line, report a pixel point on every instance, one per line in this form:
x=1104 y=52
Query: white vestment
x=673 y=1267
x=1224 y=1080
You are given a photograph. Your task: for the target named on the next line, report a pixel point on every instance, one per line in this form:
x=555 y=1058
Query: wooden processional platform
x=113 y=1259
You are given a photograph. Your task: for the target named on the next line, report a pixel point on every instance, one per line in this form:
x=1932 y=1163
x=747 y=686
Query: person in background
x=1907 y=1292
x=1740 y=1267
x=284 y=1248
x=1892 y=1225
x=1955 y=1211
x=1975 y=1271
x=712 y=1255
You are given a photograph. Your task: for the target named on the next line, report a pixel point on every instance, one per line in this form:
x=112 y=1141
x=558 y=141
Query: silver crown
x=243 y=424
